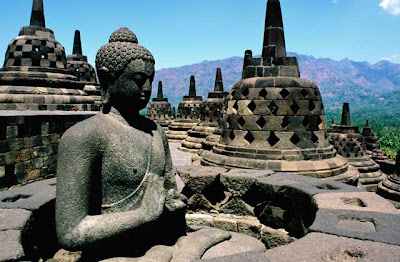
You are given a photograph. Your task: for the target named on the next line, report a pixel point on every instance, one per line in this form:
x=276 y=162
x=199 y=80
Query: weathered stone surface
x=361 y=201
x=316 y=247
x=273 y=238
x=67 y=256
x=14 y=219
x=10 y=246
x=239 y=243
x=236 y=206
x=248 y=256
x=374 y=226
x=197 y=178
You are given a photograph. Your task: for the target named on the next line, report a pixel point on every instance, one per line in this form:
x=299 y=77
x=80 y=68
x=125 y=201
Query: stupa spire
x=219 y=85
x=160 y=94
x=274 y=37
x=192 y=89
x=77 y=43
x=346 y=121
x=37 y=17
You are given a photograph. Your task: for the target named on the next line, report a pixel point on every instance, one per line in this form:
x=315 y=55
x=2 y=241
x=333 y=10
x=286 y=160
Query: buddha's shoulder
x=88 y=128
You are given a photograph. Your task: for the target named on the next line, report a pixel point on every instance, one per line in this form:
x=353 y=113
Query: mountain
x=368 y=88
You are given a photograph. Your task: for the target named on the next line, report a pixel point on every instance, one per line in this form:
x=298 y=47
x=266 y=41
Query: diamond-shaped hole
x=295 y=139
x=252 y=106
x=232 y=135
x=311 y=105
x=314 y=138
x=236 y=106
x=295 y=107
x=305 y=121
x=273 y=139
x=229 y=122
x=285 y=122
x=319 y=121
x=273 y=108
x=284 y=93
x=249 y=137
x=245 y=92
x=241 y=121
x=304 y=93
x=263 y=93
x=261 y=122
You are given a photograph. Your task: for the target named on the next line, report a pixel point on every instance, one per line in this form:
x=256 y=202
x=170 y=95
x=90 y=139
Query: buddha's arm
x=175 y=200
x=78 y=202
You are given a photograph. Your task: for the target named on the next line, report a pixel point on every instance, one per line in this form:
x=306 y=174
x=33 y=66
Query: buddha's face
x=133 y=86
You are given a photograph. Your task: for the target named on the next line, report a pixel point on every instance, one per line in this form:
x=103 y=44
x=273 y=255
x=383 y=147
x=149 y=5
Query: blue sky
x=181 y=32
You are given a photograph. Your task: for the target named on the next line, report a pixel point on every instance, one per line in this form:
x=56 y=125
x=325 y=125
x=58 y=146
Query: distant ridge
x=366 y=87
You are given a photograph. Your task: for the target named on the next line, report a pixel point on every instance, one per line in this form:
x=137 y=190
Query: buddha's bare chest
x=127 y=157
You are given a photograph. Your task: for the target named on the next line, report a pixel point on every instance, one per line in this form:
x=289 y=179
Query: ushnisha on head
x=126 y=72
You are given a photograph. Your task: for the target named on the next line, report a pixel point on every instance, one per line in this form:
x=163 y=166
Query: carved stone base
x=390 y=188
x=178 y=130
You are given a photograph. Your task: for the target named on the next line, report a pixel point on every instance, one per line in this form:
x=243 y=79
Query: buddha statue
x=116 y=189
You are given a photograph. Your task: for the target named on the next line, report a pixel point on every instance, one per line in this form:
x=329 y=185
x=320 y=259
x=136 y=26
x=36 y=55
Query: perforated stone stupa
x=78 y=65
x=275 y=119
x=188 y=114
x=160 y=109
x=210 y=118
x=350 y=144
x=35 y=75
x=390 y=188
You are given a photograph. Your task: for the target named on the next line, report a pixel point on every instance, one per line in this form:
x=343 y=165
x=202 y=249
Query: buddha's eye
x=140 y=79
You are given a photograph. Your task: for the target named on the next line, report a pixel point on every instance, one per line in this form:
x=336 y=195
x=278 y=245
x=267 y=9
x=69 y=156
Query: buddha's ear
x=105 y=79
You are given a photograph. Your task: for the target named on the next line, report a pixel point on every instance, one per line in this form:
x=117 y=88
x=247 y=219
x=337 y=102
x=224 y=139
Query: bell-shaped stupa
x=350 y=144
x=188 y=114
x=35 y=75
x=78 y=65
x=160 y=109
x=390 y=188
x=274 y=119
x=210 y=117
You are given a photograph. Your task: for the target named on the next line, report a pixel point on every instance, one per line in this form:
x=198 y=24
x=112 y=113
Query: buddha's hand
x=175 y=201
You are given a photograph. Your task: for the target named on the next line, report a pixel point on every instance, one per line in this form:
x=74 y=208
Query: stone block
x=228 y=224
x=361 y=201
x=11 y=248
x=273 y=238
x=14 y=219
x=11 y=132
x=374 y=226
x=317 y=247
x=16 y=144
x=247 y=256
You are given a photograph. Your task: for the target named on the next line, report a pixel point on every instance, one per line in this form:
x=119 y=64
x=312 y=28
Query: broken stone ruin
x=249 y=174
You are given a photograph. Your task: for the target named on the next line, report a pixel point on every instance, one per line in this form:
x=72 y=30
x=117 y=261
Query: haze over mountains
x=368 y=88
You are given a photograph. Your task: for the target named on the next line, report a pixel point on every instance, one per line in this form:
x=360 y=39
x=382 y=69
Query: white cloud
x=335 y=1
x=392 y=58
x=391 y=6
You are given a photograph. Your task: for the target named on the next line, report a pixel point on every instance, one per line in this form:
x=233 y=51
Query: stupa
x=275 y=119
x=350 y=144
x=160 y=109
x=188 y=114
x=210 y=117
x=78 y=65
x=390 y=188
x=35 y=75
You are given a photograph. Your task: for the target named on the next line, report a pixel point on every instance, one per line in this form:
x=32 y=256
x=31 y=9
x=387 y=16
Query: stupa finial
x=160 y=94
x=219 y=85
x=346 y=115
x=192 y=89
x=37 y=17
x=77 y=43
x=274 y=37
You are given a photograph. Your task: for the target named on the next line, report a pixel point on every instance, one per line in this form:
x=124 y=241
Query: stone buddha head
x=126 y=72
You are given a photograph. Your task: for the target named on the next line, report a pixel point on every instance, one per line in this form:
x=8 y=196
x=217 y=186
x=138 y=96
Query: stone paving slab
x=14 y=219
x=317 y=247
x=10 y=246
x=374 y=226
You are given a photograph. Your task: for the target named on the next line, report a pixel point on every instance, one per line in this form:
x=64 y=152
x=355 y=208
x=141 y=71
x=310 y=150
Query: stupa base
x=390 y=189
x=178 y=130
x=370 y=174
x=196 y=137
x=332 y=168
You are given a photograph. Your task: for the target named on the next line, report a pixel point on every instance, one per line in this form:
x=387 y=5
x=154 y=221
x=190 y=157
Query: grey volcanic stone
x=248 y=256
x=31 y=197
x=14 y=219
x=239 y=243
x=317 y=247
x=10 y=246
x=374 y=226
x=361 y=201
